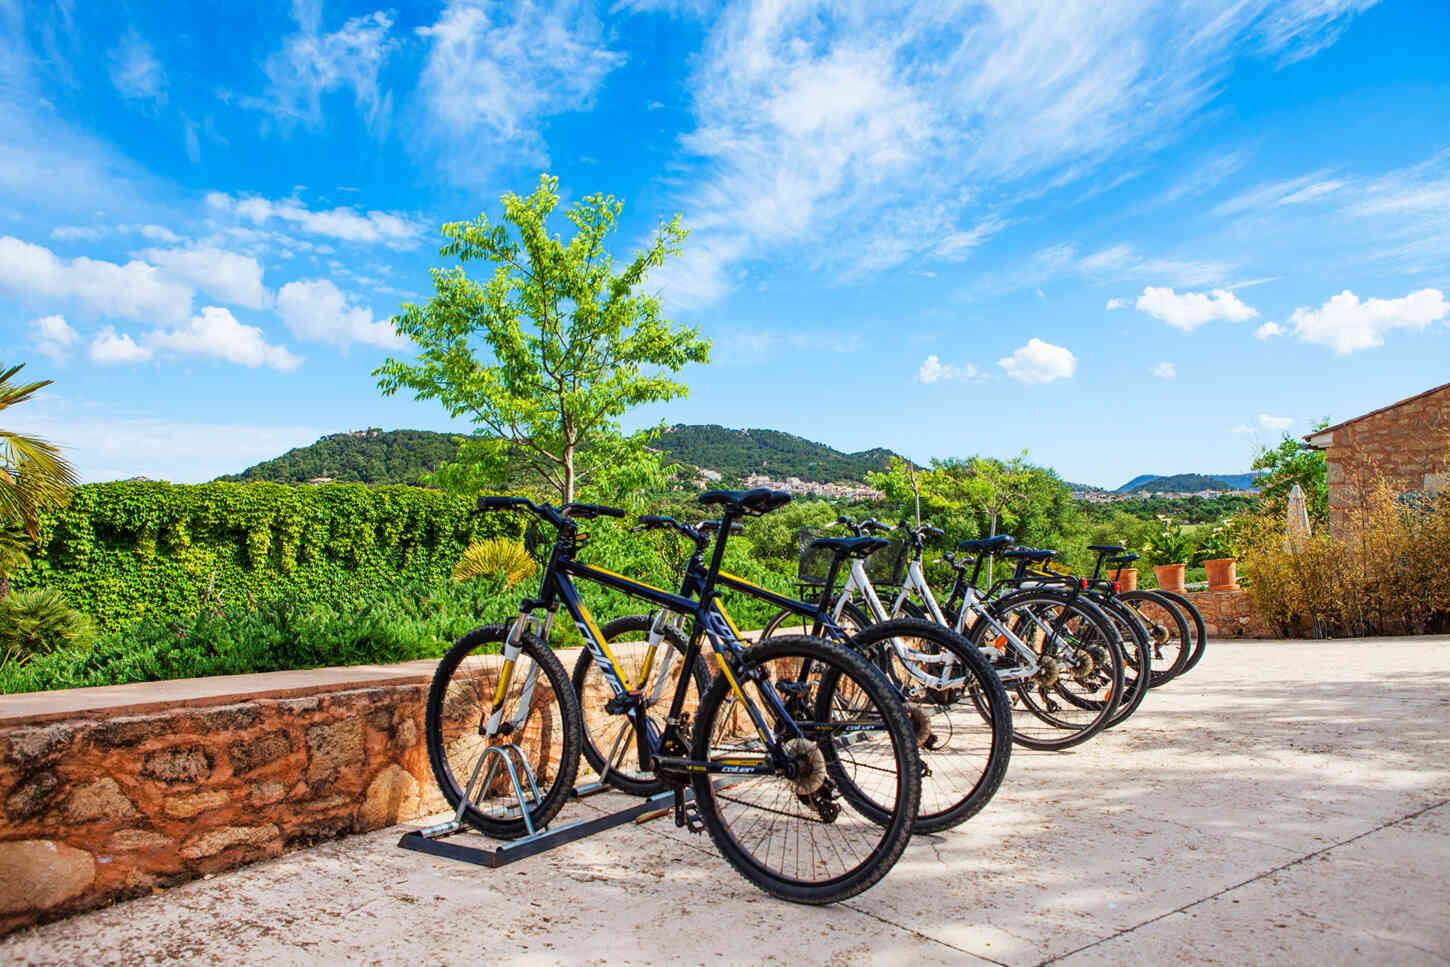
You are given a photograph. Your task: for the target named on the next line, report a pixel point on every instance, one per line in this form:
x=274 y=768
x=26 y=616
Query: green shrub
x=39 y=622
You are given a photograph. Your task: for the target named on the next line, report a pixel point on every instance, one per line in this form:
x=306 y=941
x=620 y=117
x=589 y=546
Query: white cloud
x=135 y=290
x=312 y=63
x=1190 y=310
x=93 y=233
x=317 y=311
x=1301 y=28
x=53 y=337
x=135 y=71
x=1165 y=371
x=495 y=72
x=232 y=278
x=216 y=334
x=395 y=230
x=1039 y=362
x=934 y=371
x=1268 y=422
x=819 y=123
x=112 y=347
x=1268 y=330
x=1345 y=324
x=1117 y=304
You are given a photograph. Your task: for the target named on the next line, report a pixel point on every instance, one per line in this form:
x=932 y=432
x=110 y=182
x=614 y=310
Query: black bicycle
x=786 y=741
x=957 y=706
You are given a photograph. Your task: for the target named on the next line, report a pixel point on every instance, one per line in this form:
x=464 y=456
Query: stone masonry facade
x=99 y=809
x=1406 y=443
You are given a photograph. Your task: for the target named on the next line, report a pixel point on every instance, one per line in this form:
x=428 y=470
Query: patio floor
x=1287 y=803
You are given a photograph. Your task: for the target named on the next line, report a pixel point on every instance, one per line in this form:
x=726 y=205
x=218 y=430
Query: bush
x=38 y=623
x=1386 y=572
x=123 y=552
x=1171 y=545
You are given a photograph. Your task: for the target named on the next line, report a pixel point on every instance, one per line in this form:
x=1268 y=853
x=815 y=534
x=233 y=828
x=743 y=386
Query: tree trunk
x=4 y=586
x=568 y=475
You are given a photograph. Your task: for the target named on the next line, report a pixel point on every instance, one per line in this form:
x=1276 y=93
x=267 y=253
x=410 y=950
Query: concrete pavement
x=1286 y=803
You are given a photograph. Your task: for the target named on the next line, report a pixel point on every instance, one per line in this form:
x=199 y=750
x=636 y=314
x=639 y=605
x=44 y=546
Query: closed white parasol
x=1296 y=531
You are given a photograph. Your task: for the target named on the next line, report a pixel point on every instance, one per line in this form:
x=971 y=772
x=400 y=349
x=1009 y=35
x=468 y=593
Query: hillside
x=1188 y=482
x=735 y=454
x=375 y=456
x=369 y=456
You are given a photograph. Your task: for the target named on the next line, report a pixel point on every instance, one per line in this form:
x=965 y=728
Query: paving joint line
x=923 y=936
x=1253 y=879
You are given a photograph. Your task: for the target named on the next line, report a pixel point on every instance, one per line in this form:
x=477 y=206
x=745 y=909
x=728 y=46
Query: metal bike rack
x=433 y=840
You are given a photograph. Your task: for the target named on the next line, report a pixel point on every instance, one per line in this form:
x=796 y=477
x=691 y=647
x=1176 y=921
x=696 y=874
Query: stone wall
x=99 y=808
x=1406 y=443
x=1230 y=614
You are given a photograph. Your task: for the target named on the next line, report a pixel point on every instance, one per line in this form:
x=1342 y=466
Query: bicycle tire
x=1138 y=660
x=1160 y=608
x=1195 y=620
x=755 y=665
x=611 y=631
x=1065 y=734
x=956 y=783
x=455 y=702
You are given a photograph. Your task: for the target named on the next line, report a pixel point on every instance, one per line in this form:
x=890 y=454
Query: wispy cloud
x=135 y=71
x=393 y=229
x=933 y=370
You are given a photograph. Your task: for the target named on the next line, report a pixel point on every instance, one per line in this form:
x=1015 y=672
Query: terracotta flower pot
x=1222 y=573
x=1127 y=578
x=1170 y=577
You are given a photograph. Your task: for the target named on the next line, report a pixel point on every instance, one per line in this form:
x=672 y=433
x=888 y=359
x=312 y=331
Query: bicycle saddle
x=1122 y=559
x=1030 y=554
x=757 y=501
x=985 y=545
x=851 y=546
x=1107 y=548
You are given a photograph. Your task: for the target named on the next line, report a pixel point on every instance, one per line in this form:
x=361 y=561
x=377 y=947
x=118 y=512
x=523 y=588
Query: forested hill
x=376 y=456
x=1189 y=483
x=736 y=453
x=369 y=456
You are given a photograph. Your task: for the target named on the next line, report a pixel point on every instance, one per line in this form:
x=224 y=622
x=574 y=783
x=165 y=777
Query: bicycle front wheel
x=525 y=710
x=794 y=835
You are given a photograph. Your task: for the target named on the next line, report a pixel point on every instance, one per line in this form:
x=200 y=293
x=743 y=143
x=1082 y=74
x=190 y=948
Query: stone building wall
x=1406 y=443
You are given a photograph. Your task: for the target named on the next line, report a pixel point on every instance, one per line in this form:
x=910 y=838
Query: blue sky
x=1129 y=237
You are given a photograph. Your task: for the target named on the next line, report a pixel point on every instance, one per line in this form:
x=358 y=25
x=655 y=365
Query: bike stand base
x=433 y=839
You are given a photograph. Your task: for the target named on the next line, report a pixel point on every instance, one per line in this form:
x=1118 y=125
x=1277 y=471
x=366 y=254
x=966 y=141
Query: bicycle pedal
x=686 y=815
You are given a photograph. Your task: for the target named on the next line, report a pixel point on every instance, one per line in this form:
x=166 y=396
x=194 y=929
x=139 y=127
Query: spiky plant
x=39 y=622
x=498 y=558
x=34 y=477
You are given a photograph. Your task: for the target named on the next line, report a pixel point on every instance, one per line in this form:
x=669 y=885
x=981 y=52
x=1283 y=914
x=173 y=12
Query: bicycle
x=937 y=673
x=780 y=733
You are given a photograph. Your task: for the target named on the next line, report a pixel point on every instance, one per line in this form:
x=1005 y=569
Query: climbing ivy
x=122 y=552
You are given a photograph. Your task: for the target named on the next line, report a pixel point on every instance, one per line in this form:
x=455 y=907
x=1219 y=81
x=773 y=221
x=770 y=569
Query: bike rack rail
x=433 y=839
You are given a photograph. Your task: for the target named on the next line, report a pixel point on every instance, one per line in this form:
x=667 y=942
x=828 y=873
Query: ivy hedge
x=124 y=552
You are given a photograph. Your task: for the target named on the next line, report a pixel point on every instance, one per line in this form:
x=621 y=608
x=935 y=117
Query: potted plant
x=1220 y=558
x=1168 y=551
x=1127 y=578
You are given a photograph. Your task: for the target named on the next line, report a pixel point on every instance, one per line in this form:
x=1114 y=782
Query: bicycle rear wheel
x=1079 y=679
x=962 y=717
x=796 y=837
x=474 y=704
x=1195 y=624
x=1137 y=657
x=1171 y=641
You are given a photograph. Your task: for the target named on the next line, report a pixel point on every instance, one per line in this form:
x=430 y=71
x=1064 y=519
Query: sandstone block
x=32 y=795
x=36 y=874
x=334 y=745
x=180 y=764
x=407 y=734
x=214 y=841
x=263 y=793
x=123 y=732
x=184 y=807
x=136 y=840
x=28 y=746
x=255 y=753
x=392 y=796
x=99 y=800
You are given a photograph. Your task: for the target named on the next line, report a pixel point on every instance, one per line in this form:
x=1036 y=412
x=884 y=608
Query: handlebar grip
x=502 y=503
x=932 y=531
x=650 y=521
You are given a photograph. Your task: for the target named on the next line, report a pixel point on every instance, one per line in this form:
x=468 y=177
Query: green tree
x=14 y=556
x=572 y=345
x=34 y=477
x=1294 y=461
